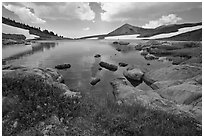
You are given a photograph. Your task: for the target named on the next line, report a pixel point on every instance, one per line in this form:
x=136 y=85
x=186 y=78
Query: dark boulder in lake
x=97 y=56
x=121 y=43
x=121 y=64
x=108 y=66
x=63 y=66
x=115 y=42
x=94 y=81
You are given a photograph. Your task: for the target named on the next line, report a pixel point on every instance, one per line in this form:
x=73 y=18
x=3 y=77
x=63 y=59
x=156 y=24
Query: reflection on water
x=95 y=67
x=84 y=66
x=26 y=50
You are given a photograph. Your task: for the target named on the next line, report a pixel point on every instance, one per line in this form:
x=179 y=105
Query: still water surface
x=80 y=54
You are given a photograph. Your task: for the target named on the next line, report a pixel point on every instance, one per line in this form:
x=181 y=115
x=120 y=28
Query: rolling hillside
x=45 y=34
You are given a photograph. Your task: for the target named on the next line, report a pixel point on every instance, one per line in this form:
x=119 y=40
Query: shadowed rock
x=121 y=64
x=134 y=75
x=97 y=56
x=121 y=43
x=108 y=66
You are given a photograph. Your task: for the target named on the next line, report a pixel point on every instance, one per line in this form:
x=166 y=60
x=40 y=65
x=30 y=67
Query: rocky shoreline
x=35 y=100
x=180 y=83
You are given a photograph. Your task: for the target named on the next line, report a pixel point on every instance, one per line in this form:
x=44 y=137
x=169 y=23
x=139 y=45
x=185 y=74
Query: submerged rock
x=94 y=81
x=108 y=66
x=63 y=66
x=121 y=43
x=121 y=64
x=115 y=42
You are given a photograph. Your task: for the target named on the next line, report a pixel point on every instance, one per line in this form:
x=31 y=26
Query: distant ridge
x=128 y=29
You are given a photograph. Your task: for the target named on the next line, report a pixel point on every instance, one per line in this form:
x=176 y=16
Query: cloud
x=84 y=12
x=24 y=13
x=54 y=10
x=164 y=20
x=63 y=10
x=86 y=29
x=114 y=11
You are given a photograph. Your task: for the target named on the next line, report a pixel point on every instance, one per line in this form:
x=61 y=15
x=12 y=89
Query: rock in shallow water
x=63 y=66
x=108 y=66
x=97 y=56
x=94 y=81
x=121 y=64
x=121 y=43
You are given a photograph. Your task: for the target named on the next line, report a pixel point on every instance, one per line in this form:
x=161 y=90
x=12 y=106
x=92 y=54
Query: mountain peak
x=126 y=25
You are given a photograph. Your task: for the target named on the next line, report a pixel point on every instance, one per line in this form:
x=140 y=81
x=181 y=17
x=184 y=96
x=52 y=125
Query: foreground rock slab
x=174 y=72
x=151 y=100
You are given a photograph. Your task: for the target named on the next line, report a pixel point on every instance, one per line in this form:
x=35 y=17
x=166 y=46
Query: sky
x=78 y=19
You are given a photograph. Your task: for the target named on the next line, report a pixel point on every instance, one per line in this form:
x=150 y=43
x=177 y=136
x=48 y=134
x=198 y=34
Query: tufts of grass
x=37 y=100
x=112 y=119
x=85 y=116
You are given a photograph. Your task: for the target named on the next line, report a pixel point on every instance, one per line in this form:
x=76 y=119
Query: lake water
x=84 y=66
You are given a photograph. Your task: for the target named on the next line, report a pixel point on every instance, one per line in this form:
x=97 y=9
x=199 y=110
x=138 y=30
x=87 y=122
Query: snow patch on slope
x=180 y=31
